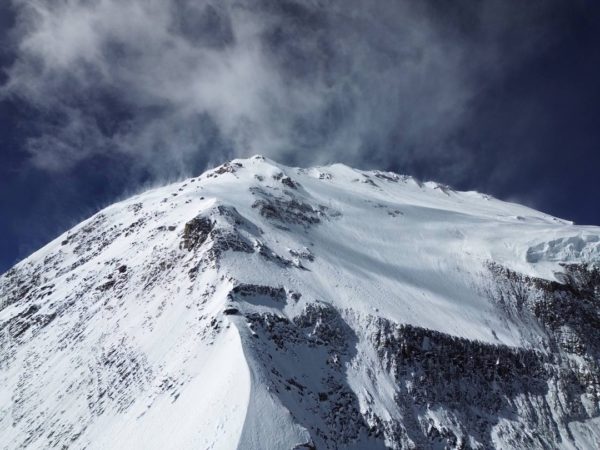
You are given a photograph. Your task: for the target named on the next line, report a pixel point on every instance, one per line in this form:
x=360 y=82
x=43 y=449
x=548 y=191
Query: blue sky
x=99 y=100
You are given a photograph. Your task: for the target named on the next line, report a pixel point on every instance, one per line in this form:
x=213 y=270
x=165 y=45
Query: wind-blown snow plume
x=177 y=84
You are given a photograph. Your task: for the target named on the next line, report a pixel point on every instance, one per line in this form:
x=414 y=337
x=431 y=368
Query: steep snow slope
x=262 y=306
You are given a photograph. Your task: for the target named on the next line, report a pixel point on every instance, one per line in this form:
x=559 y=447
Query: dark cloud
x=202 y=24
x=315 y=81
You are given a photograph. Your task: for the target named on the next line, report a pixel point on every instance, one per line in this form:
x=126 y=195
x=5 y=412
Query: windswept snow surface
x=258 y=306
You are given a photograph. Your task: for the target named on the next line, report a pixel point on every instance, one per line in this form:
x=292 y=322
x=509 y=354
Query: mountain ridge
x=263 y=306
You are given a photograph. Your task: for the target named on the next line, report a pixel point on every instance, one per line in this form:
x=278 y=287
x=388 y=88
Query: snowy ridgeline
x=265 y=307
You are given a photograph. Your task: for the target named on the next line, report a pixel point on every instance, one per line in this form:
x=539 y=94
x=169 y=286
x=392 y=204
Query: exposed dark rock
x=19 y=284
x=243 y=291
x=229 y=167
x=120 y=373
x=223 y=226
x=368 y=180
x=267 y=253
x=28 y=319
x=389 y=176
x=134 y=226
x=304 y=253
x=444 y=188
x=307 y=446
x=225 y=240
x=286 y=210
x=106 y=286
x=569 y=312
x=289 y=183
x=318 y=335
x=195 y=232
x=136 y=207
x=476 y=383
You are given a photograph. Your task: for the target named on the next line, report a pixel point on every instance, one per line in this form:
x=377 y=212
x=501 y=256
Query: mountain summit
x=260 y=306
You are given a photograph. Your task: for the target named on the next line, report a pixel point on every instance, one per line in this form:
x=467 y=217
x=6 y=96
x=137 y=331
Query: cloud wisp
x=172 y=85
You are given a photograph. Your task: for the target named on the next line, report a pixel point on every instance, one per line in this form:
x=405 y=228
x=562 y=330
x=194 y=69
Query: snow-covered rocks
x=263 y=306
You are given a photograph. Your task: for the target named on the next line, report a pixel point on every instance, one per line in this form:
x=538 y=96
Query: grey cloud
x=179 y=83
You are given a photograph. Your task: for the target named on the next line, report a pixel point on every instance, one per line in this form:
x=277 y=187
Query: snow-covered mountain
x=265 y=307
